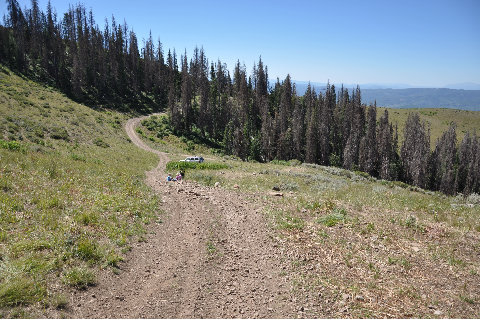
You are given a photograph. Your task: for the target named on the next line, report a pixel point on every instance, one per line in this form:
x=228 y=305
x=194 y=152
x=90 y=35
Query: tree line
x=244 y=114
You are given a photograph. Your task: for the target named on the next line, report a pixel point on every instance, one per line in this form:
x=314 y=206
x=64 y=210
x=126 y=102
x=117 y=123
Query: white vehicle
x=196 y=159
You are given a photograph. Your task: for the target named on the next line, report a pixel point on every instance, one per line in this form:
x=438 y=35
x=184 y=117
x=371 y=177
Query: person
x=169 y=178
x=182 y=173
x=179 y=176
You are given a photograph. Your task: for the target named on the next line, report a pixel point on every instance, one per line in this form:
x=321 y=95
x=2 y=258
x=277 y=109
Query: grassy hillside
x=72 y=197
x=438 y=119
x=72 y=200
x=361 y=248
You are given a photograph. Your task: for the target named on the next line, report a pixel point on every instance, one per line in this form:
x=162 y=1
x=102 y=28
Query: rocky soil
x=211 y=255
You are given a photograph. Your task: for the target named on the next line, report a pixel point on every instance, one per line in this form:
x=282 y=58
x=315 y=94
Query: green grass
x=285 y=220
x=21 y=291
x=211 y=249
x=70 y=198
x=330 y=220
x=177 y=165
x=80 y=278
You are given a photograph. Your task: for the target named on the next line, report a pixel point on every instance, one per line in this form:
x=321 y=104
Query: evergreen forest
x=238 y=112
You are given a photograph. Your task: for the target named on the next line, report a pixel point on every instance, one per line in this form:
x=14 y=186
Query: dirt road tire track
x=212 y=257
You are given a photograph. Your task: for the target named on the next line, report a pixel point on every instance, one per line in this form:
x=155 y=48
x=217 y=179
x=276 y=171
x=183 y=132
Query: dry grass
x=438 y=120
x=364 y=248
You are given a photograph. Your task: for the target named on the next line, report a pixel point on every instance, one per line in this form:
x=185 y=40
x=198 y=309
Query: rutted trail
x=211 y=257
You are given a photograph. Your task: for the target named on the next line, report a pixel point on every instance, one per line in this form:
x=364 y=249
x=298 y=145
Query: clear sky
x=420 y=42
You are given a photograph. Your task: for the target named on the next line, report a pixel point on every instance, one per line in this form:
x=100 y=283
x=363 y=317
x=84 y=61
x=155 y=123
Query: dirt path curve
x=211 y=257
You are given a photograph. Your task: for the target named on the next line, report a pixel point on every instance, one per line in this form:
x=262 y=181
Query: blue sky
x=421 y=43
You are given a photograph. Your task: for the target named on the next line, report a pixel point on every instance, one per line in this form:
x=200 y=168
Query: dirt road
x=210 y=257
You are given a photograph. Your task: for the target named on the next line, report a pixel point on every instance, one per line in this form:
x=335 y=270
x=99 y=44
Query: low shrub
x=280 y=162
x=288 y=186
x=10 y=145
x=174 y=165
x=101 y=143
x=79 y=278
x=339 y=215
x=59 y=133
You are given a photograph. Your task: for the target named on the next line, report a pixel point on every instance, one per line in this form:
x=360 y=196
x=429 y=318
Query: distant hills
x=402 y=96
x=422 y=98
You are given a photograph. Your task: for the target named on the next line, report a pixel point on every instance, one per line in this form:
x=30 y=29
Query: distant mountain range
x=414 y=98
x=302 y=85
x=463 y=96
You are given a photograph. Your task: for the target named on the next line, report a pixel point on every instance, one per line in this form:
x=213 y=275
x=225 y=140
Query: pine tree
x=386 y=149
x=356 y=131
x=283 y=121
x=203 y=87
x=368 y=154
x=473 y=176
x=186 y=97
x=311 y=138
x=325 y=120
x=443 y=162
x=18 y=47
x=464 y=158
x=298 y=130
x=415 y=151
x=340 y=127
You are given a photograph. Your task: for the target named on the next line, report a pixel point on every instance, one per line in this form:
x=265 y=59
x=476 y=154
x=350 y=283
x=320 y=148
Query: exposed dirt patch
x=212 y=256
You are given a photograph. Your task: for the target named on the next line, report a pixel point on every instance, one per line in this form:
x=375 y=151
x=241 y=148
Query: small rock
x=276 y=194
x=217 y=184
x=276 y=188
x=236 y=186
x=437 y=312
x=345 y=296
x=359 y=298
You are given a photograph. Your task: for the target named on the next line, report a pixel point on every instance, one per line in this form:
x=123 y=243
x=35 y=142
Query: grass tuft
x=339 y=215
x=80 y=278
x=21 y=291
x=88 y=250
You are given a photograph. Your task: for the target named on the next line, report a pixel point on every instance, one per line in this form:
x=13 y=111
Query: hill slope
x=327 y=243
x=354 y=246
x=71 y=202
x=438 y=120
